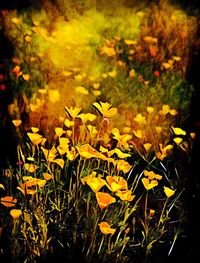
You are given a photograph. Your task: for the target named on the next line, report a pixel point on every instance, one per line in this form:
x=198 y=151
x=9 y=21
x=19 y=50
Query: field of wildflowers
x=98 y=106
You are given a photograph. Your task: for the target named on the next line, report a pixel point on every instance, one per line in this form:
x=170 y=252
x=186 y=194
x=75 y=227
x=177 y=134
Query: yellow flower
x=63 y=146
x=168 y=191
x=35 y=138
x=152 y=212
x=95 y=183
x=150 y=109
x=47 y=176
x=54 y=95
x=121 y=138
x=130 y=42
x=82 y=90
x=125 y=195
x=16 y=20
x=59 y=131
x=149 y=184
x=119 y=153
x=147 y=146
x=177 y=140
x=106 y=229
x=26 y=77
x=140 y=119
x=86 y=151
x=151 y=175
x=73 y=112
x=104 y=199
x=163 y=151
x=68 y=123
x=87 y=117
x=109 y=51
x=50 y=156
x=123 y=166
x=132 y=73
x=166 y=109
x=178 y=131
x=138 y=133
x=25 y=190
x=15 y=213
x=8 y=201
x=31 y=168
x=105 y=109
x=34 y=129
x=116 y=183
x=17 y=123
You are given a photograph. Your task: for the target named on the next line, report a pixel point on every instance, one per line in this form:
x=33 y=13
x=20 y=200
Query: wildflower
x=178 y=140
x=158 y=129
x=96 y=85
x=147 y=146
x=8 y=201
x=148 y=184
x=17 y=123
x=54 y=95
x=105 y=109
x=125 y=195
x=73 y=112
x=121 y=138
x=96 y=93
x=16 y=20
x=178 y=131
x=47 y=176
x=151 y=175
x=81 y=90
x=35 y=138
x=27 y=39
x=119 y=153
x=140 y=119
x=95 y=183
x=87 y=117
x=138 y=133
x=106 y=229
x=109 y=51
x=152 y=212
x=192 y=135
x=63 y=146
x=150 y=109
x=31 y=168
x=116 y=183
x=68 y=123
x=86 y=151
x=123 y=166
x=15 y=213
x=168 y=191
x=132 y=73
x=26 y=77
x=166 y=109
x=163 y=151
x=16 y=71
x=104 y=199
x=129 y=42
x=59 y=131
x=50 y=156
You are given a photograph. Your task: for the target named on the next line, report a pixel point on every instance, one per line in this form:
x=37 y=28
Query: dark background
x=187 y=248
